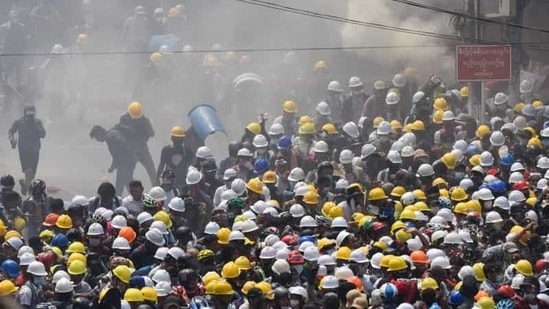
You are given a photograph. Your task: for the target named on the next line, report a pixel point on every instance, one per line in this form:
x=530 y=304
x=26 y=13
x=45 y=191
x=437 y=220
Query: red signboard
x=483 y=62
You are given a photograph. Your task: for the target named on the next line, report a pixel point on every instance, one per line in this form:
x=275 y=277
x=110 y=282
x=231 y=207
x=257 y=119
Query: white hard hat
x=425 y=170
x=260 y=141
x=326 y=260
x=485 y=194
x=121 y=243
x=335 y=86
x=418 y=96
x=486 y=159
x=80 y=200
x=329 y=282
x=357 y=256
x=280 y=266
x=339 y=222
x=408 y=198
x=143 y=217
x=466 y=183
x=323 y=109
x=259 y=206
x=276 y=129
x=351 y=129
x=158 y=194
x=204 y=152
x=58 y=275
x=267 y=253
x=307 y=221
x=155 y=237
x=399 y=80
x=311 y=253
x=238 y=186
x=461 y=145
x=458 y=154
x=440 y=234
x=452 y=238
x=414 y=244
x=407 y=151
x=355 y=81
x=96 y=229
x=394 y=157
x=497 y=138
x=464 y=271
x=397 y=146
x=26 y=259
x=516 y=197
x=321 y=147
x=500 y=98
x=517 y=167
x=341 y=236
x=161 y=253
x=193 y=176
x=441 y=261
x=300 y=291
x=448 y=116
x=24 y=249
x=249 y=226
x=64 y=286
x=297 y=211
x=343 y=273
x=502 y=203
x=176 y=252
x=296 y=174
x=384 y=128
x=542 y=183
x=493 y=217
x=160 y=226
x=408 y=139
x=529 y=110
x=346 y=156
x=211 y=228
x=229 y=174
x=543 y=163
x=177 y=204
x=57 y=49
x=526 y=86
x=376 y=259
x=37 y=268
x=367 y=149
x=161 y=275
x=118 y=222
x=244 y=152
x=341 y=184
x=392 y=98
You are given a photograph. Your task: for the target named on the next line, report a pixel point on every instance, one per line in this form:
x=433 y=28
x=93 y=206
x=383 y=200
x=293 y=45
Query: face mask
x=383 y=138
x=38 y=281
x=488 y=204
x=294 y=303
x=94 y=242
x=261 y=151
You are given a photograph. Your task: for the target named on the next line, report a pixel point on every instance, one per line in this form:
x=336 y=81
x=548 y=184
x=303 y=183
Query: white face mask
x=95 y=242
x=294 y=303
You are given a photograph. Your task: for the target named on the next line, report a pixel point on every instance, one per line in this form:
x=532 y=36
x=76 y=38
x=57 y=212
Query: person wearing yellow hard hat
x=306 y=140
x=288 y=118
x=175 y=157
x=111 y=295
x=139 y=130
x=374 y=105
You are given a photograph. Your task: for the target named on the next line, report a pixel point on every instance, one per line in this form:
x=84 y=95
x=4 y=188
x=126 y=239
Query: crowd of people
x=391 y=198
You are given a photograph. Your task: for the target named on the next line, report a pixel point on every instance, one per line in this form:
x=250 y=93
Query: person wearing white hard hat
x=354 y=102
x=335 y=98
x=31 y=293
x=446 y=136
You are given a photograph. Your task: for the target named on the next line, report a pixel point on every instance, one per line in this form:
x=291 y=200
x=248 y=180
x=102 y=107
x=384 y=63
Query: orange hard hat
x=357 y=282
x=50 y=220
x=128 y=233
x=419 y=257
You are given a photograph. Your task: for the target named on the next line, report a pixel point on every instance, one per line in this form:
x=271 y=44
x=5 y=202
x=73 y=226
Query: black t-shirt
x=177 y=159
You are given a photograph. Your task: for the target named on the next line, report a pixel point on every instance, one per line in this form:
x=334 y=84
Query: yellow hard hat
x=266 y=288
x=133 y=295
x=376 y=194
x=440 y=104
x=420 y=194
x=76 y=257
x=149 y=293
x=444 y=193
x=156 y=57
x=396 y=125
x=397 y=225
x=408 y=128
x=46 y=234
x=478 y=270
x=311 y=197
x=204 y=254
x=518 y=107
x=7 y=288
x=537 y=103
x=343 y=253
x=396 y=263
x=474 y=160
x=255 y=185
x=212 y=61
x=474 y=205
x=534 y=141
x=486 y=303
x=81 y=38
x=247 y=286
x=230 y=270
x=19 y=223
x=10 y=234
x=437 y=117
x=461 y=208
x=223 y=288
x=210 y=286
x=418 y=125
x=77 y=268
x=323 y=242
x=449 y=160
x=64 y=222
x=329 y=128
x=464 y=91
x=289 y=106
x=459 y=194
x=305 y=119
x=336 y=212
x=482 y=131
x=223 y=235
x=403 y=236
x=135 y=110
x=421 y=206
x=429 y=283
x=381 y=245
x=164 y=217
x=356 y=217
x=320 y=65
x=377 y=121
x=269 y=177
x=210 y=276
x=407 y=214
x=254 y=127
x=439 y=181
x=524 y=267
x=531 y=201
x=326 y=208
x=243 y=263
x=177 y=131
x=76 y=247
x=307 y=128
x=123 y=273
x=230 y=55
x=398 y=191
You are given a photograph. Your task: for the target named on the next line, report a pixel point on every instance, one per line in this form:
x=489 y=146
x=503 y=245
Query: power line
x=460 y=14
x=240 y=50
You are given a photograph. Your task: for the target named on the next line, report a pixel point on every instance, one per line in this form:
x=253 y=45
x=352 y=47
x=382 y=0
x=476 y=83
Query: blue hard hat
x=60 y=240
x=261 y=166
x=507 y=160
x=472 y=150
x=10 y=268
x=306 y=238
x=505 y=303
x=285 y=142
x=499 y=187
x=456 y=298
